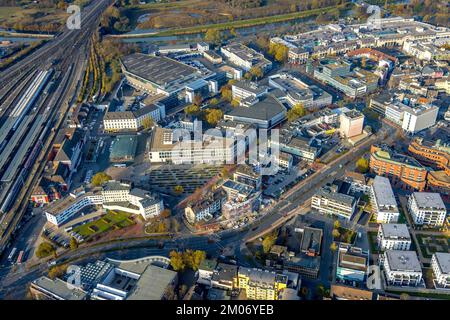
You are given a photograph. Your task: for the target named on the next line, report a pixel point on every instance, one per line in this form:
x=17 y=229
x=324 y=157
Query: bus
x=12 y=254
x=20 y=257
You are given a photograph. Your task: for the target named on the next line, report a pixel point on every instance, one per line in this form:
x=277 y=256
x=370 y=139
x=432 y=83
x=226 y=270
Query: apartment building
x=402 y=268
x=403 y=171
x=351 y=123
x=205 y=209
x=352 y=263
x=246 y=175
x=427 y=208
x=393 y=236
x=437 y=155
x=382 y=198
x=261 y=284
x=440 y=263
x=113 y=195
x=133 y=120
x=328 y=201
x=412 y=119
x=245 y=57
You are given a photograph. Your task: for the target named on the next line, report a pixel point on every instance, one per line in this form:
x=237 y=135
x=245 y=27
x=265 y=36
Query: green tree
x=57 y=271
x=178 y=189
x=73 y=243
x=213 y=116
x=333 y=246
x=192 y=109
x=214 y=101
x=45 y=249
x=148 y=123
x=177 y=261
x=193 y=258
x=100 y=178
x=296 y=112
x=336 y=234
x=213 y=35
x=226 y=93
x=268 y=242
x=256 y=72
x=362 y=165
x=235 y=103
x=337 y=224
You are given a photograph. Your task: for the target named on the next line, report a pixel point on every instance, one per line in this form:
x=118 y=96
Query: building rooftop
x=123 y=148
x=59 y=288
x=329 y=193
x=265 y=109
x=383 y=192
x=443 y=260
x=311 y=240
x=429 y=200
x=395 y=231
x=400 y=260
x=225 y=272
x=152 y=284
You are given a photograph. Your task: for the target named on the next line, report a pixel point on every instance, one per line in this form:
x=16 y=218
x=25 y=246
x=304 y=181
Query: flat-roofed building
x=123 y=148
x=393 y=236
x=300 y=147
x=351 y=123
x=164 y=146
x=205 y=271
x=159 y=74
x=206 y=208
x=382 y=198
x=353 y=83
x=245 y=57
x=427 y=208
x=246 y=175
x=403 y=171
x=328 y=201
x=297 y=92
x=285 y=160
x=265 y=112
x=245 y=89
x=45 y=288
x=402 y=268
x=440 y=263
x=352 y=263
x=225 y=276
x=261 y=284
x=118 y=121
x=311 y=242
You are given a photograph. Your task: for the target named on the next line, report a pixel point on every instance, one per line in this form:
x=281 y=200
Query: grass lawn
x=372 y=236
x=239 y=23
x=113 y=219
x=437 y=244
x=346 y=235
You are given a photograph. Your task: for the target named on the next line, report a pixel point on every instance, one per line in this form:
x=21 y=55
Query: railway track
x=50 y=112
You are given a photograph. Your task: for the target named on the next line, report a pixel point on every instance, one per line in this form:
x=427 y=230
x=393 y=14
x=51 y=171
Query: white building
x=440 y=263
x=427 y=208
x=383 y=202
x=206 y=208
x=113 y=196
x=328 y=201
x=412 y=119
x=402 y=268
x=245 y=57
x=393 y=236
x=133 y=120
x=164 y=146
x=245 y=89
x=285 y=160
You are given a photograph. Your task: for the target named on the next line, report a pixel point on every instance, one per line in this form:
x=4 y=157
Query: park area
x=430 y=244
x=113 y=220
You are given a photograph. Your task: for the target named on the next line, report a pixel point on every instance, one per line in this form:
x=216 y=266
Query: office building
x=245 y=57
x=118 y=121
